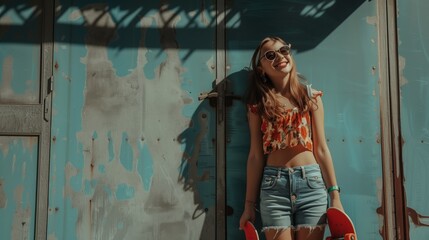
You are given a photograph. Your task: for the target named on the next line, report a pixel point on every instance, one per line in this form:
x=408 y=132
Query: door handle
x=214 y=94
x=205 y=95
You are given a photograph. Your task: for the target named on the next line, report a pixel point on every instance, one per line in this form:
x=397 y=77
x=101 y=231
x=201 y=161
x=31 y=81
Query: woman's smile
x=281 y=64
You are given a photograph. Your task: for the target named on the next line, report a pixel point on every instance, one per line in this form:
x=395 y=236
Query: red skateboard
x=340 y=225
x=250 y=231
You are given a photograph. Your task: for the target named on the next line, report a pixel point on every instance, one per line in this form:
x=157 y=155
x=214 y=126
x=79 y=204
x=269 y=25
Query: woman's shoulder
x=313 y=93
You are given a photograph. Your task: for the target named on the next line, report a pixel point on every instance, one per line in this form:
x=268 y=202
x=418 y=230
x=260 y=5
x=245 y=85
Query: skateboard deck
x=340 y=225
x=250 y=231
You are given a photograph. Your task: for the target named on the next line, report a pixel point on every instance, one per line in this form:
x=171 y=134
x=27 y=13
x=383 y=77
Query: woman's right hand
x=248 y=215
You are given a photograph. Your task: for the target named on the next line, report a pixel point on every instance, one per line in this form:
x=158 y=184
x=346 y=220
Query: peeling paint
x=7 y=75
x=417 y=219
x=18 y=169
x=3 y=197
x=372 y=20
x=126 y=153
x=380 y=210
x=126 y=161
x=133 y=146
x=19 y=84
x=22 y=217
x=402 y=79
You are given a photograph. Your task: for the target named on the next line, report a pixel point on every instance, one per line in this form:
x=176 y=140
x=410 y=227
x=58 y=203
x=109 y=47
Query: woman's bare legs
x=304 y=233
x=279 y=234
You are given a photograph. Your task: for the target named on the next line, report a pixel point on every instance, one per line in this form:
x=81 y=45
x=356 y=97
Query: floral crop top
x=292 y=129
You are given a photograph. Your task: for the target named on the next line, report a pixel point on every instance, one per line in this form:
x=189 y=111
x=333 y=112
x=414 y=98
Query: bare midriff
x=291 y=157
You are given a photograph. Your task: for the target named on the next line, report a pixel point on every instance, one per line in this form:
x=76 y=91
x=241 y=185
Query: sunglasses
x=272 y=54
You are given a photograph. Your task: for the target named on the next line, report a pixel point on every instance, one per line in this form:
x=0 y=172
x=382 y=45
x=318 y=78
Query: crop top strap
x=312 y=93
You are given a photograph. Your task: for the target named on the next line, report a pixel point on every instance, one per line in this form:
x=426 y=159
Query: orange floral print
x=292 y=129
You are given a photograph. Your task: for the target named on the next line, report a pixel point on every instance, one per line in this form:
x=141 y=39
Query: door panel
x=414 y=113
x=335 y=47
x=21 y=36
x=18 y=170
x=24 y=117
x=133 y=149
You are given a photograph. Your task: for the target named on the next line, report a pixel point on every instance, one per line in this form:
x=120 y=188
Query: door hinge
x=50 y=85
x=47 y=100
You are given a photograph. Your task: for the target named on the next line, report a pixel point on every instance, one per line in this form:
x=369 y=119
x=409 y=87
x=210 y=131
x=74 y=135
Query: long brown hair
x=261 y=90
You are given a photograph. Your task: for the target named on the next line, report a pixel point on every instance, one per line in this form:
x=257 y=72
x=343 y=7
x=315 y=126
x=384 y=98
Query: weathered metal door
x=412 y=122
x=335 y=45
x=133 y=150
x=25 y=58
x=148 y=134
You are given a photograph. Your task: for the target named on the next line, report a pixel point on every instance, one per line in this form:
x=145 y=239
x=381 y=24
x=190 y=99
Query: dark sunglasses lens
x=284 y=50
x=270 y=55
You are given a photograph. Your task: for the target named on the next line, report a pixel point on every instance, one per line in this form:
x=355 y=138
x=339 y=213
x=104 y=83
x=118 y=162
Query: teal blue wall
x=19 y=84
x=413 y=38
x=133 y=149
x=19 y=59
x=335 y=45
x=18 y=170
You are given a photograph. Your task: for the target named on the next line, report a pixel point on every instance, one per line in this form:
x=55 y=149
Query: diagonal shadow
x=308 y=21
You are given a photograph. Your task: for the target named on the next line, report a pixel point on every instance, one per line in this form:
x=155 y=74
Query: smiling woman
x=286 y=128
x=103 y=134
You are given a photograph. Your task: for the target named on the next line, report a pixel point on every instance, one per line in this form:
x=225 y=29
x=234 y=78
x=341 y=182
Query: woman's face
x=278 y=63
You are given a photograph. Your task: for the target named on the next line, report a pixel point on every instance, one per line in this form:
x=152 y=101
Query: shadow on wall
x=315 y=18
x=312 y=20
x=198 y=164
x=197 y=171
x=237 y=151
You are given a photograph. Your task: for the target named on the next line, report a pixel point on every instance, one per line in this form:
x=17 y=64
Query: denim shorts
x=293 y=197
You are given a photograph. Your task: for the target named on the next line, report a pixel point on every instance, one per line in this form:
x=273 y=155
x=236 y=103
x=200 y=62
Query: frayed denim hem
x=311 y=227
x=281 y=228
x=294 y=228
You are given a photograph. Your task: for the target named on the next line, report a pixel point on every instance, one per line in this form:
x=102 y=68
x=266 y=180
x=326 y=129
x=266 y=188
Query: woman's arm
x=322 y=153
x=255 y=165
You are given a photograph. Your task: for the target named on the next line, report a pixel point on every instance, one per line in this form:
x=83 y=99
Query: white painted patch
x=372 y=20
x=149 y=112
x=21 y=222
x=402 y=79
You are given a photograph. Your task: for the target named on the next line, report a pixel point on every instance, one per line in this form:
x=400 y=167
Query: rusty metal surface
x=387 y=68
x=413 y=61
x=135 y=153
x=24 y=124
x=133 y=150
x=20 y=69
x=18 y=171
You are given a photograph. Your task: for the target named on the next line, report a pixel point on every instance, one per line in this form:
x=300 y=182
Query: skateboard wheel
x=350 y=236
